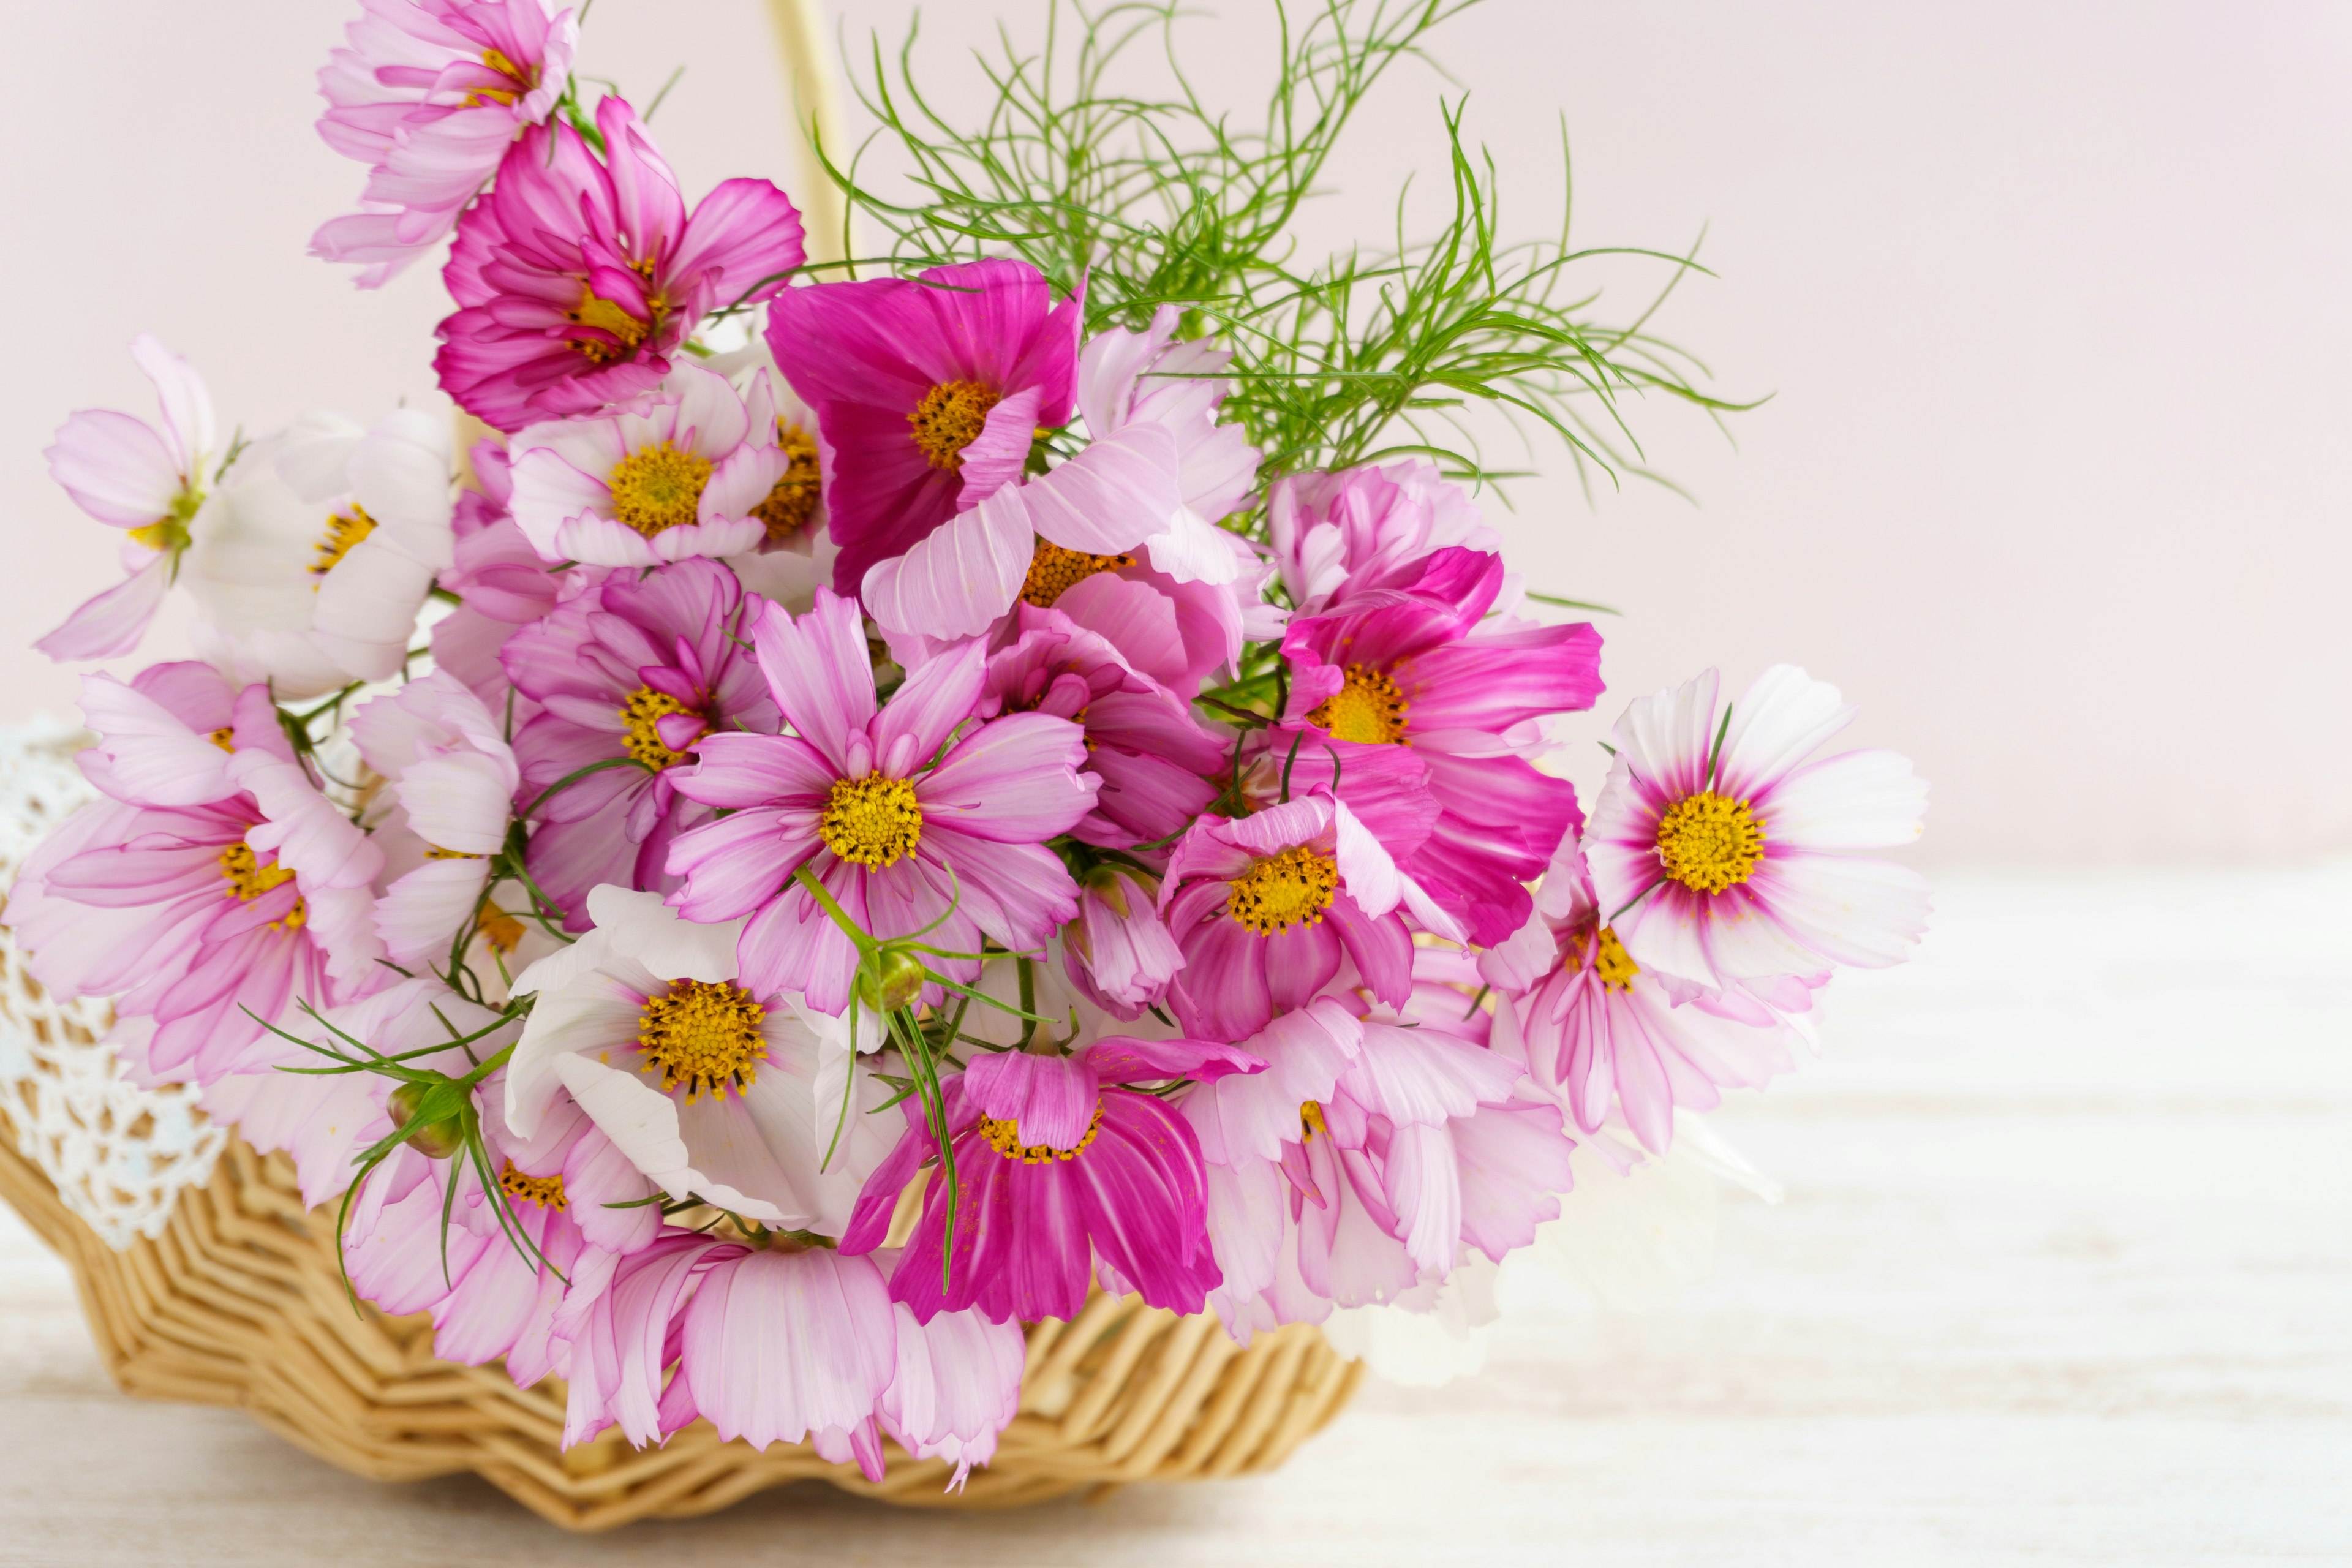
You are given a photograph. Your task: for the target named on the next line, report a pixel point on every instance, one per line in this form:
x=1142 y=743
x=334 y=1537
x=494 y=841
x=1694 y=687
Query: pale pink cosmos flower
x=452 y=777
x=1119 y=951
x=1338 y=535
x=1140 y=499
x=147 y=480
x=1599 y=1033
x=429 y=94
x=738 y=1096
x=501 y=585
x=671 y=473
x=1718 y=853
x=910 y=814
x=578 y=277
x=317 y=549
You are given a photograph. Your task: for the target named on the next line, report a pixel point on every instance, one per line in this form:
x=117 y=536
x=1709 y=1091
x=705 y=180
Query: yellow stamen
x=547 y=1192
x=792 y=501
x=1054 y=570
x=873 y=821
x=1310 y=1121
x=499 y=928
x=658 y=486
x=1368 y=707
x=608 y=317
x=1279 y=891
x=524 y=81
x=1710 y=842
x=1612 y=964
x=642 y=739
x=249 y=877
x=950 y=418
x=345 y=529
x=704 y=1035
x=226 y=738
x=1004 y=1137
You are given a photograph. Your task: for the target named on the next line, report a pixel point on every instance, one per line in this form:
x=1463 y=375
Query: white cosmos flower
x=712 y=1092
x=312 y=560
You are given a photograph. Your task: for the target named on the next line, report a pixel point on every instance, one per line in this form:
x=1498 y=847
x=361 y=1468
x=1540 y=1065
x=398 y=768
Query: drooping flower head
x=1412 y=665
x=314 y=556
x=629 y=674
x=148 y=480
x=678 y=471
x=909 y=813
x=1718 y=853
x=576 y=279
x=929 y=392
x=429 y=94
x=1064 y=1176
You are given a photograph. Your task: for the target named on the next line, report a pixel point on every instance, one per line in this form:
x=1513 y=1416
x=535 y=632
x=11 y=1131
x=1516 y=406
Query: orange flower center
x=950 y=418
x=1054 y=570
x=1369 y=706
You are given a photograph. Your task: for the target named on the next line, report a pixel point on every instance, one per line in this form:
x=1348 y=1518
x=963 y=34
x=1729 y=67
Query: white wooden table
x=2063 y=1275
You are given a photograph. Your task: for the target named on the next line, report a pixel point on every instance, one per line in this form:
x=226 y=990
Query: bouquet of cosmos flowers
x=864 y=802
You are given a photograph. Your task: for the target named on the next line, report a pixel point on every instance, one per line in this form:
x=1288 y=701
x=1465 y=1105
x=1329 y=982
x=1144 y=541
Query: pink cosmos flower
x=1140 y=499
x=635 y=670
x=1412 y=665
x=501 y=583
x=1719 y=853
x=956 y=1388
x=715 y=1091
x=671 y=473
x=577 y=279
x=1266 y=907
x=1064 y=1177
x=1152 y=756
x=249 y=890
x=910 y=822
x=453 y=778
x=929 y=393
x=1364 y=1161
x=429 y=94
x=146 y=480
x=1598 y=1031
x=314 y=555
x=1119 y=951
x=1338 y=535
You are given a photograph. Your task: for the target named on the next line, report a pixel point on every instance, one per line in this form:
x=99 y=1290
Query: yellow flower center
x=1279 y=891
x=249 y=877
x=792 y=501
x=606 y=316
x=496 y=60
x=499 y=928
x=658 y=486
x=1054 y=570
x=950 y=418
x=1710 y=842
x=1005 y=1138
x=704 y=1035
x=344 y=531
x=644 y=707
x=1367 y=707
x=1615 y=968
x=1310 y=1121
x=226 y=738
x=874 y=821
x=547 y=1192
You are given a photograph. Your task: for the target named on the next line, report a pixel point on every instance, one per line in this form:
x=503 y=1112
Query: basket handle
x=813 y=87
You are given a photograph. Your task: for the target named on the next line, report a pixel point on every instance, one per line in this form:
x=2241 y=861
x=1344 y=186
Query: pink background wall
x=2050 y=300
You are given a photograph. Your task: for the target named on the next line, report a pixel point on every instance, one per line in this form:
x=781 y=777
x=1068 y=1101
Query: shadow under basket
x=239 y=1302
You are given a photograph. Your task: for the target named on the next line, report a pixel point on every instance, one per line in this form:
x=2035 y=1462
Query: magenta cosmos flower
x=678 y=471
x=1718 y=853
x=1414 y=666
x=1062 y=1176
x=222 y=889
x=1266 y=907
x=905 y=817
x=636 y=670
x=577 y=279
x=145 y=480
x=929 y=393
x=1598 y=1032
x=429 y=94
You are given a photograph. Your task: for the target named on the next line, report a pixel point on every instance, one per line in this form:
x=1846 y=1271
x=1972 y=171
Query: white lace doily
x=119 y=1155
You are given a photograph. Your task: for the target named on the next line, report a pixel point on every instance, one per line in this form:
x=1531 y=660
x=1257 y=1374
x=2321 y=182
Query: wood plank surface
x=2064 y=1274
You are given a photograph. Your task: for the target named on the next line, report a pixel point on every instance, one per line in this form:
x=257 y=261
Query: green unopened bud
x=443 y=1133
x=890 y=980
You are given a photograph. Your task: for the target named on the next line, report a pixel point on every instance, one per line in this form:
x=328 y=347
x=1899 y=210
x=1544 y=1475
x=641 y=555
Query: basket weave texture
x=239 y=1303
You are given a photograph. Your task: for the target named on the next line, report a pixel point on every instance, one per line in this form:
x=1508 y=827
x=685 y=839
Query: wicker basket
x=239 y=1303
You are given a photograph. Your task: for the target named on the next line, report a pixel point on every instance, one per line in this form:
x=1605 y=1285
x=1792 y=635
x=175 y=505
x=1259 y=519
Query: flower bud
x=443 y=1133
x=889 y=980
